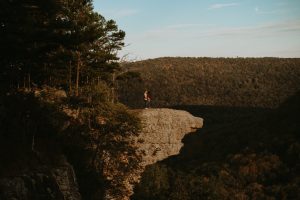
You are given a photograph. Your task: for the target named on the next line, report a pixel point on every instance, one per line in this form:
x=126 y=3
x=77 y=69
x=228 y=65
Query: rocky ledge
x=161 y=136
x=163 y=131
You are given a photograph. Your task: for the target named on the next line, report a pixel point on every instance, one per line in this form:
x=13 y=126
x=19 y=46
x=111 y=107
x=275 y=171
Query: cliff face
x=48 y=172
x=161 y=136
x=163 y=130
x=46 y=182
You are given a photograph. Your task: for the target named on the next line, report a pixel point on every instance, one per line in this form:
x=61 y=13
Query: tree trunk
x=70 y=77
x=113 y=88
x=77 y=74
x=24 y=82
x=33 y=143
x=29 y=81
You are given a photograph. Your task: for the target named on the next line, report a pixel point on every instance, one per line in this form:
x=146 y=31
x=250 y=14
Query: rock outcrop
x=163 y=130
x=49 y=175
x=161 y=136
x=46 y=182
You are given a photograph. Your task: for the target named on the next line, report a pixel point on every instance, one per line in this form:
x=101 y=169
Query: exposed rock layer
x=163 y=130
x=56 y=182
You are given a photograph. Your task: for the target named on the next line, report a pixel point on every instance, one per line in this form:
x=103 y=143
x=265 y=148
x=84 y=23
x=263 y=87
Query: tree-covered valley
x=249 y=145
x=244 y=82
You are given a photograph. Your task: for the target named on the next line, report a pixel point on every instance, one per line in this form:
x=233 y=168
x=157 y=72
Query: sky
x=205 y=28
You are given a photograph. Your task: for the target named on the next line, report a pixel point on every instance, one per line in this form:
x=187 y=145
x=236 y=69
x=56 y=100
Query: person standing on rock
x=147 y=99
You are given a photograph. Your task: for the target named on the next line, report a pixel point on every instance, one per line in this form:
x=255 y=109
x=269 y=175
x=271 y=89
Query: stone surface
x=52 y=183
x=161 y=136
x=163 y=130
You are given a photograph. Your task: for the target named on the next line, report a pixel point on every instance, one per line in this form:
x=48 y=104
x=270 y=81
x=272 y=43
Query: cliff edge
x=160 y=137
x=162 y=132
x=57 y=143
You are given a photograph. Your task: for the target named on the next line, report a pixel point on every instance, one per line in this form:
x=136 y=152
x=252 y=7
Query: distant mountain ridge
x=250 y=82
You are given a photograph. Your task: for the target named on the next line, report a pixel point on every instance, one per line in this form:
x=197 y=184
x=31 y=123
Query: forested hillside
x=240 y=153
x=249 y=145
x=255 y=82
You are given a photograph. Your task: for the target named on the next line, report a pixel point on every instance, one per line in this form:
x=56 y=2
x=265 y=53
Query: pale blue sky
x=213 y=28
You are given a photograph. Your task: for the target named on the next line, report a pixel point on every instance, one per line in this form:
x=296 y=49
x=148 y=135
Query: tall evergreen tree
x=64 y=39
x=89 y=42
x=22 y=37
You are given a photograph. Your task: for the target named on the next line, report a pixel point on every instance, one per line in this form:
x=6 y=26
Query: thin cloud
x=183 y=26
x=255 y=31
x=268 y=12
x=270 y=29
x=222 y=5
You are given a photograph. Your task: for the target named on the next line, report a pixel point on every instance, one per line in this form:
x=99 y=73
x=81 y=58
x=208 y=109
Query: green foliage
x=95 y=136
x=96 y=93
x=58 y=43
x=240 y=153
x=65 y=44
x=100 y=146
x=155 y=183
x=248 y=82
x=130 y=86
x=28 y=130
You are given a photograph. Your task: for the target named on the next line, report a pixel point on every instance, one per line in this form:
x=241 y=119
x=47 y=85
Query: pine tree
x=21 y=33
x=90 y=42
x=56 y=42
